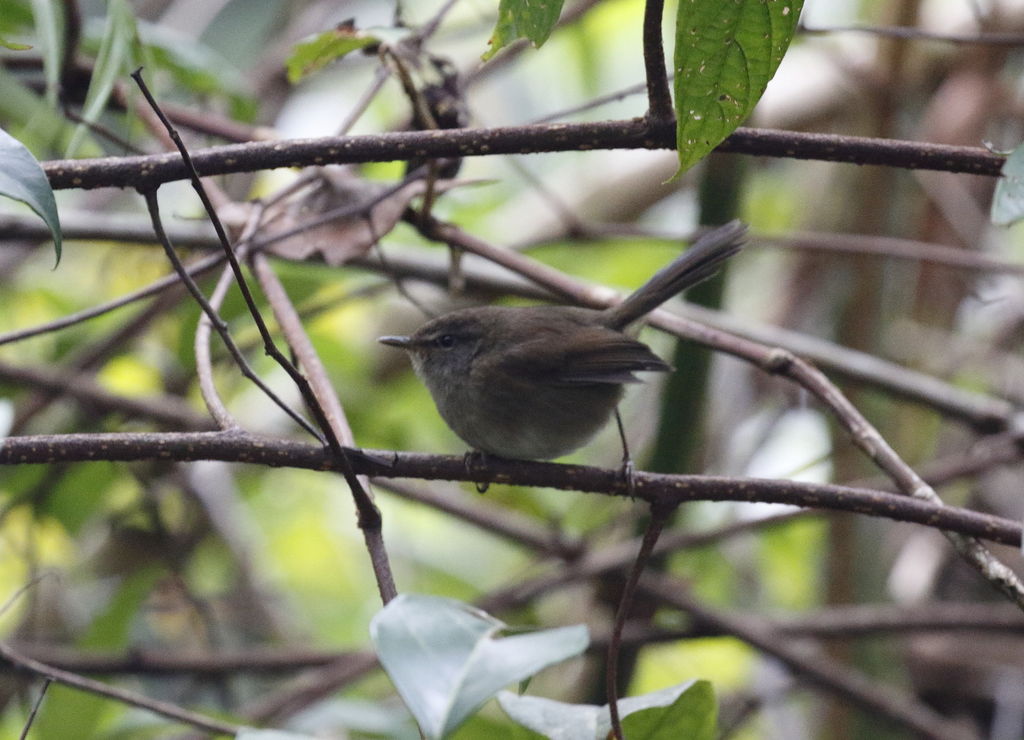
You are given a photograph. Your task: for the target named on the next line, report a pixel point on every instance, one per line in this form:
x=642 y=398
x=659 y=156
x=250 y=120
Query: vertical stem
x=659 y=515
x=659 y=98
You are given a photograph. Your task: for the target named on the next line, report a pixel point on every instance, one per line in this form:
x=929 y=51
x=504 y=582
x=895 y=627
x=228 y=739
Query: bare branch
x=652 y=487
x=148 y=171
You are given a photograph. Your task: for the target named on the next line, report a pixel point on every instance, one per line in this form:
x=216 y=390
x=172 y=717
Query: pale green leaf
x=444 y=658
x=23 y=179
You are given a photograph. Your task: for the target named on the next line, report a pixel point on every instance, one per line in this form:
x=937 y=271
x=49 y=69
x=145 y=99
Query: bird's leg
x=472 y=460
x=628 y=469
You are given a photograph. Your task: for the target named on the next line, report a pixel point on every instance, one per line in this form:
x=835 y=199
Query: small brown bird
x=538 y=382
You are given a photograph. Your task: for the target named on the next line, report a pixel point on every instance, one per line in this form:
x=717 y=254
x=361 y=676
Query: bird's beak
x=400 y=342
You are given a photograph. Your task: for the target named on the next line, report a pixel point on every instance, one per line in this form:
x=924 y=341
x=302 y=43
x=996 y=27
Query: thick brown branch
x=663 y=490
x=146 y=172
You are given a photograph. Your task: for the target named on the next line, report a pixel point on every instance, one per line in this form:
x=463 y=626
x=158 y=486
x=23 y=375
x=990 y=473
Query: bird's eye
x=446 y=341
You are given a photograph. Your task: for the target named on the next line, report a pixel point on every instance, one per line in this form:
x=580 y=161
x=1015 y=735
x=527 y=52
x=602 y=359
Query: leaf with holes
x=725 y=55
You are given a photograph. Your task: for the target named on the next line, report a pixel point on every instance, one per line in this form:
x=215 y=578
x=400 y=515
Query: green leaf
x=23 y=179
x=252 y=733
x=684 y=711
x=316 y=52
x=119 y=34
x=443 y=657
x=725 y=55
x=1008 y=200
x=688 y=710
x=49 y=27
x=529 y=19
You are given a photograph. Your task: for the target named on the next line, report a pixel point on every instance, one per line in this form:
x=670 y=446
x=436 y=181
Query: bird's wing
x=591 y=355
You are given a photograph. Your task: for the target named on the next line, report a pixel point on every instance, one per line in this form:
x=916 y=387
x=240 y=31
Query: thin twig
x=982 y=38
x=833 y=623
x=984 y=412
x=863 y=434
x=35 y=707
x=659 y=516
x=253 y=659
x=348 y=210
x=369 y=515
x=269 y=347
x=195 y=269
x=204 y=361
x=320 y=384
x=612 y=97
x=169 y=410
x=131 y=698
x=201 y=345
x=94 y=355
x=430 y=27
x=496 y=520
x=379 y=78
x=218 y=323
x=889 y=247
